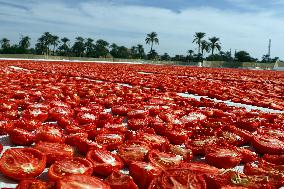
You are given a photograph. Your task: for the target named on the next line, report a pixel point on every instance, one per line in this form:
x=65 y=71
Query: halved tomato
x=120 y=110
x=182 y=151
x=276 y=159
x=57 y=113
x=76 y=166
x=117 y=180
x=49 y=133
x=267 y=144
x=104 y=162
x=22 y=163
x=35 y=114
x=137 y=114
x=55 y=151
x=110 y=141
x=222 y=157
x=6 y=127
x=164 y=160
x=81 y=182
x=21 y=137
x=29 y=125
x=133 y=151
x=178 y=178
x=199 y=144
x=121 y=127
x=137 y=124
x=86 y=118
x=32 y=183
x=143 y=173
x=83 y=145
x=178 y=136
x=72 y=139
x=1 y=148
x=155 y=141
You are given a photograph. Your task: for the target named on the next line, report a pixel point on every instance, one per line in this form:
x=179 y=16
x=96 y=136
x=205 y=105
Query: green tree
x=43 y=43
x=24 y=44
x=166 y=57
x=5 y=45
x=152 y=38
x=198 y=38
x=205 y=47
x=101 y=48
x=79 y=46
x=123 y=52
x=54 y=41
x=64 y=47
x=114 y=50
x=141 y=51
x=243 y=56
x=214 y=44
x=90 y=47
x=153 y=55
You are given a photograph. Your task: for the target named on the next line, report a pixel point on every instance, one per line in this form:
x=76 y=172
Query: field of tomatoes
x=72 y=125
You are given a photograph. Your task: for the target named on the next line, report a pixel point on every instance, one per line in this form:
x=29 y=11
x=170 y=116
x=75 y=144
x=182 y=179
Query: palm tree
x=205 y=46
x=24 y=43
x=90 y=47
x=214 y=44
x=101 y=48
x=141 y=52
x=54 y=40
x=190 y=52
x=64 y=48
x=198 y=38
x=151 y=39
x=79 y=46
x=5 y=43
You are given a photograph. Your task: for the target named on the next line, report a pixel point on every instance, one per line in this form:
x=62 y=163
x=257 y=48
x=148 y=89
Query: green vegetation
x=207 y=49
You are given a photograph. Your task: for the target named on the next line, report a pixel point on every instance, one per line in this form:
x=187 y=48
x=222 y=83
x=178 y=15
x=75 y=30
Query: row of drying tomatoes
x=153 y=135
x=260 y=88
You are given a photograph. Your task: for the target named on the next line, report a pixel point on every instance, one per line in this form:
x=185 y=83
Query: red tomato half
x=155 y=141
x=21 y=137
x=117 y=180
x=35 y=114
x=110 y=140
x=32 y=183
x=6 y=127
x=29 y=125
x=81 y=182
x=49 y=133
x=267 y=144
x=143 y=173
x=164 y=160
x=222 y=157
x=22 y=163
x=178 y=178
x=133 y=151
x=55 y=151
x=76 y=166
x=104 y=162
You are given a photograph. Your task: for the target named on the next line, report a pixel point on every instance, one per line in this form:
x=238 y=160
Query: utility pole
x=269 y=48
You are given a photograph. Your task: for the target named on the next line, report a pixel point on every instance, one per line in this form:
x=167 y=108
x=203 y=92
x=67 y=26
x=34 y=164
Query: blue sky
x=240 y=24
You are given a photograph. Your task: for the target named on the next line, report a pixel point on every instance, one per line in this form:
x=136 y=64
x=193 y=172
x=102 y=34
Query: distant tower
x=269 y=48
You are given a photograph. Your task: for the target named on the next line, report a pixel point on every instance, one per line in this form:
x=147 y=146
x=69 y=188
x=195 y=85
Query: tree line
x=49 y=44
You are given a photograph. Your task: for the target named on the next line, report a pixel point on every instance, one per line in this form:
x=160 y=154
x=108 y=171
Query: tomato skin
x=21 y=137
x=86 y=118
x=101 y=161
x=29 y=163
x=137 y=114
x=177 y=136
x=72 y=139
x=83 y=145
x=276 y=159
x=55 y=151
x=32 y=183
x=268 y=145
x=222 y=157
x=64 y=168
x=1 y=148
x=198 y=145
x=133 y=151
x=143 y=173
x=81 y=182
x=119 y=127
x=57 y=113
x=164 y=160
x=117 y=180
x=50 y=133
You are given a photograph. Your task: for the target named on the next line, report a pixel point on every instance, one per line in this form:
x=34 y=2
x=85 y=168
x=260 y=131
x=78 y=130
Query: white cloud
x=128 y=25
